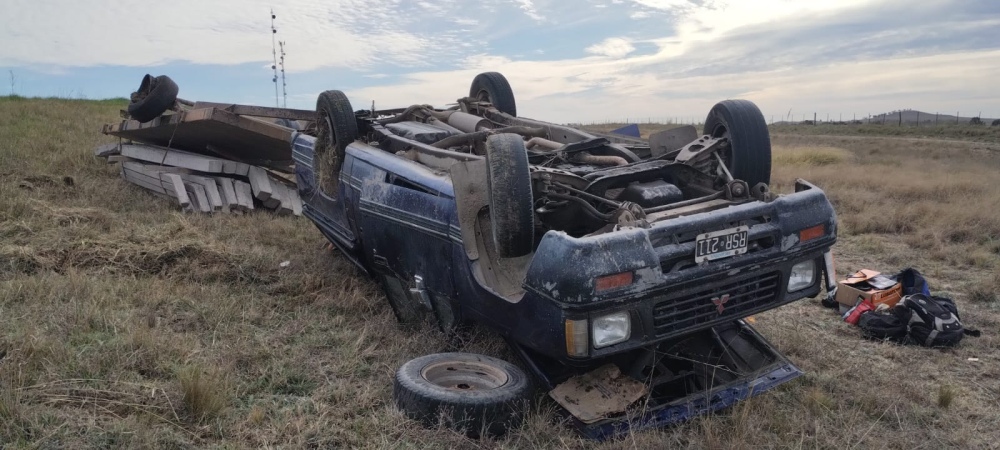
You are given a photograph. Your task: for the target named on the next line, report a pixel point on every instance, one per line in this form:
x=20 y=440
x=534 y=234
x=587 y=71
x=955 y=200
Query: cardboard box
x=870 y=285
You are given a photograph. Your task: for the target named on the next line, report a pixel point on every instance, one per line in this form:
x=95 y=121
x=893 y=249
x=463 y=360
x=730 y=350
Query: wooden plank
x=158 y=175
x=296 y=201
x=152 y=170
x=197 y=192
x=261 y=183
x=284 y=206
x=211 y=190
x=242 y=169
x=235 y=167
x=177 y=188
x=244 y=194
x=118 y=158
x=228 y=192
x=260 y=111
x=106 y=150
x=175 y=158
x=149 y=183
x=243 y=139
x=139 y=177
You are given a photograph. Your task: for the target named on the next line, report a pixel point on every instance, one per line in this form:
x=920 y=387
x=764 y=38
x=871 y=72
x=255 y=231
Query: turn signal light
x=577 y=337
x=811 y=233
x=608 y=282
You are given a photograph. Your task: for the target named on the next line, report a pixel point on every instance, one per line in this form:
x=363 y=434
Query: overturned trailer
x=626 y=266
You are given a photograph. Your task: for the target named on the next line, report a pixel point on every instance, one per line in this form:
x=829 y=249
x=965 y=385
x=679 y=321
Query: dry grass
x=125 y=324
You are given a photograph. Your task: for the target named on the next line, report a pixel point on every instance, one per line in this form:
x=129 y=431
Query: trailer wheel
x=493 y=87
x=336 y=128
x=154 y=96
x=508 y=183
x=748 y=156
x=477 y=394
x=407 y=313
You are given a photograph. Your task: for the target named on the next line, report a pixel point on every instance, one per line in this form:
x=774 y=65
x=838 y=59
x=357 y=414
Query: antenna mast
x=284 y=87
x=274 y=55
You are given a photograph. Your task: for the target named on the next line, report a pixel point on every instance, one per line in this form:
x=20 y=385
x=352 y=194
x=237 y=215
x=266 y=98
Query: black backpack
x=891 y=324
x=934 y=321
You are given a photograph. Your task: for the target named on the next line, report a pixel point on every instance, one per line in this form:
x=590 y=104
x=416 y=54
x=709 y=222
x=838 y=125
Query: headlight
x=611 y=329
x=802 y=276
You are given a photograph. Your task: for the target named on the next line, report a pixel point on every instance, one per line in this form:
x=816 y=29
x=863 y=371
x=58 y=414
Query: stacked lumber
x=201 y=183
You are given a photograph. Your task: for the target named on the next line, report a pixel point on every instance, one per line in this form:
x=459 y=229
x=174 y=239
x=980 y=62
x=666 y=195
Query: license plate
x=721 y=244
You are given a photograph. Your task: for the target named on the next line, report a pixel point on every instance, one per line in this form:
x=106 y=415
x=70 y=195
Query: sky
x=567 y=61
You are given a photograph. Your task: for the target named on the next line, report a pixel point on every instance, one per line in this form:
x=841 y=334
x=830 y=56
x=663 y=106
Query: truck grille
x=685 y=310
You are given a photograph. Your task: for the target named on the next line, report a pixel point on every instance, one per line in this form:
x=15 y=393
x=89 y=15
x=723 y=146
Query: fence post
x=814 y=119
x=901 y=117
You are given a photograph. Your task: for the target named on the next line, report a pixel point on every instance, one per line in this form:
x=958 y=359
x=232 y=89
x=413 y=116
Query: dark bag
x=934 y=321
x=890 y=324
x=912 y=282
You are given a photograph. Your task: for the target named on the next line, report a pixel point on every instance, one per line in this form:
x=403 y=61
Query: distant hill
x=914 y=116
x=909 y=116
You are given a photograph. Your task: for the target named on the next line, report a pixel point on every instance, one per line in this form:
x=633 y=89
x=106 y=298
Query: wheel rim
x=465 y=375
x=483 y=96
x=329 y=131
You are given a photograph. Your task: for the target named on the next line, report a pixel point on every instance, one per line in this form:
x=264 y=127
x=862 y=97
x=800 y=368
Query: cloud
x=335 y=33
x=612 y=47
x=599 y=59
x=528 y=6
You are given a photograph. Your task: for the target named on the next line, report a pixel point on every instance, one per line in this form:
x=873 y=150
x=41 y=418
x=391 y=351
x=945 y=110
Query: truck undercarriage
x=584 y=251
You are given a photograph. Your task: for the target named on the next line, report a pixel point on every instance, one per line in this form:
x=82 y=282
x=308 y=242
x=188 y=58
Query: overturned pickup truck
x=621 y=266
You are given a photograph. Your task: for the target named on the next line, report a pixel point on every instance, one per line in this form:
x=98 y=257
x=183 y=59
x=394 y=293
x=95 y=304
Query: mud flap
x=596 y=395
x=829 y=280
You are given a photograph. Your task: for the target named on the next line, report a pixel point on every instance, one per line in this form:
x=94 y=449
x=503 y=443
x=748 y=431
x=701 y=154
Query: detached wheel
x=508 y=183
x=463 y=391
x=748 y=156
x=493 y=87
x=154 y=96
x=336 y=128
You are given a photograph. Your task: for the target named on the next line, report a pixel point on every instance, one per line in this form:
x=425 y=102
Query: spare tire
x=493 y=87
x=336 y=127
x=154 y=96
x=748 y=155
x=477 y=394
x=508 y=182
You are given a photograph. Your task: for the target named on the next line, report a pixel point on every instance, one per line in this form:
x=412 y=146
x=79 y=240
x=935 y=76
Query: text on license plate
x=721 y=244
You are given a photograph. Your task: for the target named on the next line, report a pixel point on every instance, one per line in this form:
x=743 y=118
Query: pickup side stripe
x=440 y=230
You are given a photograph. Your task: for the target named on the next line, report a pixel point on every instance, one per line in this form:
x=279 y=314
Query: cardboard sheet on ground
x=595 y=395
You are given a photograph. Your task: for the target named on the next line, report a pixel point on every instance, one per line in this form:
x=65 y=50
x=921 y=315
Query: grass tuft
x=946 y=395
x=205 y=394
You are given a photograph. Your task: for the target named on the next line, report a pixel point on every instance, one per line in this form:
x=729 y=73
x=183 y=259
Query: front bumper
x=671 y=295
x=685 y=377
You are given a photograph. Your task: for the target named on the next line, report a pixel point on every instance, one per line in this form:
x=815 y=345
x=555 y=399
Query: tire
x=508 y=183
x=494 y=88
x=407 y=313
x=749 y=154
x=477 y=394
x=154 y=96
x=336 y=128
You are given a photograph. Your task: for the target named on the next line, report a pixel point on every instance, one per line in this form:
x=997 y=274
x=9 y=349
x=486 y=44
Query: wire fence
x=895 y=118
